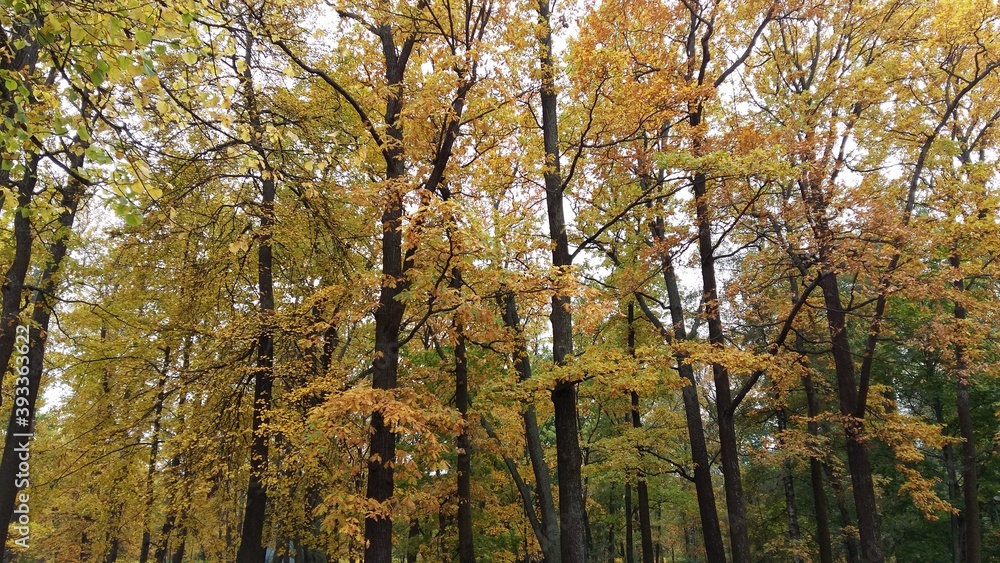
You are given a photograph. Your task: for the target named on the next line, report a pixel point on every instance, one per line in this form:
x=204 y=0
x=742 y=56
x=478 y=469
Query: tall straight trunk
x=629 y=551
x=389 y=313
x=711 y=530
x=154 y=450
x=951 y=476
x=547 y=532
x=112 y=555
x=609 y=543
x=857 y=451
x=788 y=484
x=161 y=553
x=728 y=446
x=178 y=556
x=251 y=548
x=572 y=519
x=970 y=476
x=645 y=528
x=21 y=423
x=820 y=509
x=466 y=551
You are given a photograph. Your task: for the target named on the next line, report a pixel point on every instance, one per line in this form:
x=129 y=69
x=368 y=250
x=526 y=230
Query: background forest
x=480 y=280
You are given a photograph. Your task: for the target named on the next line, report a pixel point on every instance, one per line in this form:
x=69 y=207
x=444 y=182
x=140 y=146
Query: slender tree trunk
x=850 y=540
x=572 y=519
x=609 y=543
x=645 y=528
x=711 y=530
x=548 y=530
x=466 y=551
x=22 y=60
x=820 y=509
x=20 y=426
x=788 y=482
x=251 y=548
x=154 y=450
x=729 y=450
x=112 y=556
x=179 y=552
x=970 y=476
x=951 y=476
x=162 y=545
x=629 y=541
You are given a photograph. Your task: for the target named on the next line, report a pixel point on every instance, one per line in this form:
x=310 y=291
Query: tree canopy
x=644 y=280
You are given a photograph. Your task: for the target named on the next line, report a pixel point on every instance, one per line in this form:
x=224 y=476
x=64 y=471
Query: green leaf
x=190 y=57
x=97 y=77
x=143 y=37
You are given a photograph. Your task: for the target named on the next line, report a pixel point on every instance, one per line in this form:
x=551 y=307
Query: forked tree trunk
x=547 y=529
x=21 y=423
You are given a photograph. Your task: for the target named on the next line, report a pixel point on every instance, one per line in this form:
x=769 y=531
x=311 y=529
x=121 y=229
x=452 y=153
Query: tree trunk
x=970 y=476
x=154 y=449
x=788 y=482
x=711 y=531
x=573 y=542
x=466 y=551
x=629 y=541
x=951 y=477
x=857 y=452
x=548 y=530
x=820 y=509
x=251 y=548
x=729 y=450
x=645 y=528
x=20 y=427
x=389 y=314
x=21 y=60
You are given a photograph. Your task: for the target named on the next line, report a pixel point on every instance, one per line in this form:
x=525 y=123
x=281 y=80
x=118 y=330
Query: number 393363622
x=22 y=412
